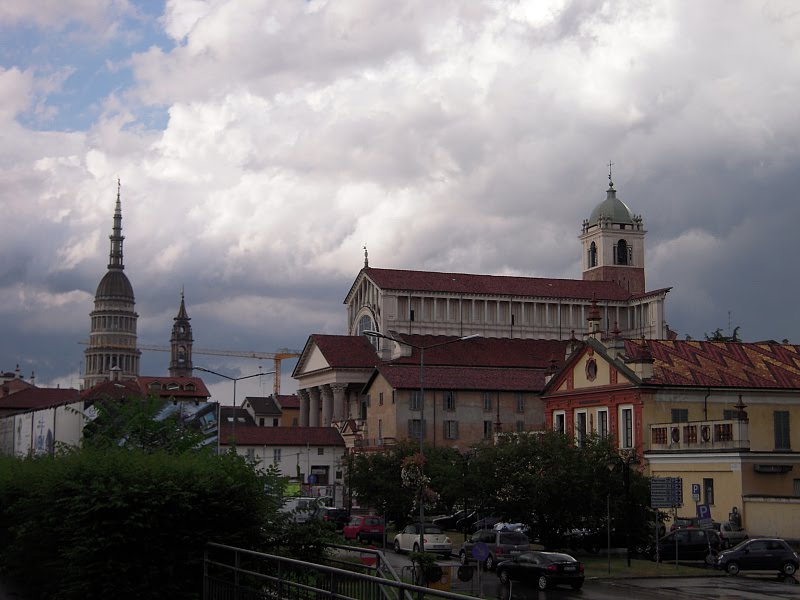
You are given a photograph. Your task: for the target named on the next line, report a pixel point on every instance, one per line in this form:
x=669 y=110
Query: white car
x=434 y=540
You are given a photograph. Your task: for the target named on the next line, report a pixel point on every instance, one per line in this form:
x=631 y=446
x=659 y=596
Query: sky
x=261 y=145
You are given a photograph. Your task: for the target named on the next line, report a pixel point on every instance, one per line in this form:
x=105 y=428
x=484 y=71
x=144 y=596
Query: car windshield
x=433 y=529
x=556 y=557
x=373 y=521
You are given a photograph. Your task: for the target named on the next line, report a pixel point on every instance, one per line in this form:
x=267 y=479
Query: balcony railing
x=374 y=443
x=700 y=435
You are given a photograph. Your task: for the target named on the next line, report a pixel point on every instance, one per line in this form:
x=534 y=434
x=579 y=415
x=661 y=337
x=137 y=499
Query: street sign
x=704 y=513
x=480 y=552
x=696 y=492
x=666 y=492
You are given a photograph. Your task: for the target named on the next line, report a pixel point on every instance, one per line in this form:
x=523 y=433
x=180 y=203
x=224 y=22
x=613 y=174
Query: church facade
x=394 y=301
x=399 y=303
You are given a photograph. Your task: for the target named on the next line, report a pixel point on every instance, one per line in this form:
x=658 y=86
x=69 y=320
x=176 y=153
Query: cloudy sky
x=261 y=144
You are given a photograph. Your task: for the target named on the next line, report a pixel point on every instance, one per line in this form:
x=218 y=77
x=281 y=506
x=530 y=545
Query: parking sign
x=696 y=492
x=704 y=512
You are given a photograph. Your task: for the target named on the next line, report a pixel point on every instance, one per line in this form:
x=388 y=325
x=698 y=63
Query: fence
x=231 y=573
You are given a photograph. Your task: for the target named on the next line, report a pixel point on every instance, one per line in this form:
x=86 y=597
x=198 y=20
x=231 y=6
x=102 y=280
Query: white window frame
x=578 y=441
x=563 y=415
x=622 y=429
x=601 y=411
x=276 y=455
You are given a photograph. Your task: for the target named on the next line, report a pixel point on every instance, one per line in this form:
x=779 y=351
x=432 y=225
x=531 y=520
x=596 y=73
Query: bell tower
x=180 y=364
x=613 y=243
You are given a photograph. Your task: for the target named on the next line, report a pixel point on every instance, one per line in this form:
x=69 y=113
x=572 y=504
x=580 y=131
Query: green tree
x=133 y=423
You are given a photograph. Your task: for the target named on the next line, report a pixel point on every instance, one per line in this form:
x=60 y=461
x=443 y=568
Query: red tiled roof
x=282 y=436
x=495 y=285
x=288 y=401
x=346 y=351
x=486 y=352
x=113 y=390
x=37 y=398
x=722 y=364
x=463 y=378
x=175 y=387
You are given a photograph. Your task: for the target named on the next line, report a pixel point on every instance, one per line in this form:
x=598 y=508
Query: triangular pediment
x=591 y=367
x=313 y=360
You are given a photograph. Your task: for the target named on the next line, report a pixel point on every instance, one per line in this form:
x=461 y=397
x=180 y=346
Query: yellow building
x=716 y=414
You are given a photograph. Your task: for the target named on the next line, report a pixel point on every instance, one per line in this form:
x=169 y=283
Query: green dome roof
x=612 y=207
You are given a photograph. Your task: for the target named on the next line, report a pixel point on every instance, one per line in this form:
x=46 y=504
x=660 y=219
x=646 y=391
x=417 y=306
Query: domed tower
x=613 y=244
x=112 y=352
x=180 y=365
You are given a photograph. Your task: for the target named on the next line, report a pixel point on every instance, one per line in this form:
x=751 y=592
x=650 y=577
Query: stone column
x=313 y=407
x=327 y=405
x=339 y=413
x=303 y=396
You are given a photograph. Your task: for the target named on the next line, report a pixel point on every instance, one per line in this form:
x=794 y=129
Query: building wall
x=469 y=413
x=778 y=517
x=297 y=461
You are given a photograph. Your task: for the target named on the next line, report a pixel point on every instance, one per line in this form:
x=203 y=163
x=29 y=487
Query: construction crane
x=275 y=357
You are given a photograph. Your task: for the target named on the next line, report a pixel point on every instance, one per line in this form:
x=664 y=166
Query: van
x=300 y=507
x=501 y=545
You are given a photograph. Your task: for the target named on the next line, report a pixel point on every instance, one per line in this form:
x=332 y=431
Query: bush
x=119 y=524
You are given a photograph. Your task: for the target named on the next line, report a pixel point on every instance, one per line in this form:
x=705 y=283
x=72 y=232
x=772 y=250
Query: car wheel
x=732 y=568
x=397 y=547
x=542 y=582
x=463 y=557
x=788 y=568
x=489 y=564
x=503 y=575
x=577 y=585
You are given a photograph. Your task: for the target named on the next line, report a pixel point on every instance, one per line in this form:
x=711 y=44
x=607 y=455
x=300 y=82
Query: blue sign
x=480 y=551
x=696 y=492
x=704 y=511
x=312 y=479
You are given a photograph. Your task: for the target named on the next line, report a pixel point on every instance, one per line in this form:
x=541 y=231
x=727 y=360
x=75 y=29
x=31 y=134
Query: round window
x=591 y=369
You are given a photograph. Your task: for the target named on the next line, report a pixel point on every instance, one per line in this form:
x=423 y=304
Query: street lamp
x=421 y=349
x=219 y=413
x=626 y=462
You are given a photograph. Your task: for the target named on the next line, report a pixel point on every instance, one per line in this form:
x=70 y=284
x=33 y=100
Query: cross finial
x=366 y=256
x=610 y=183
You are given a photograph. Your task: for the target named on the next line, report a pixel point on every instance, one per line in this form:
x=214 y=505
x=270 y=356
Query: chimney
x=616 y=348
x=642 y=362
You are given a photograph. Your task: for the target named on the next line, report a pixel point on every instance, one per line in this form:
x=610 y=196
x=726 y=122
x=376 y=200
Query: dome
x=115 y=284
x=612 y=207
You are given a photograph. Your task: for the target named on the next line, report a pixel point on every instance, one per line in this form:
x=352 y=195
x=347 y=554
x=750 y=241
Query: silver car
x=434 y=540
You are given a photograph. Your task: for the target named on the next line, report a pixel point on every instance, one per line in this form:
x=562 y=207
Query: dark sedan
x=760 y=555
x=545 y=569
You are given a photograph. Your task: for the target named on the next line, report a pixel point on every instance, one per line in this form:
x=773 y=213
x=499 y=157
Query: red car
x=365 y=528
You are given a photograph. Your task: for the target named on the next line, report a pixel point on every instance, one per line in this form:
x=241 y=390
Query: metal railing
x=727 y=434
x=231 y=573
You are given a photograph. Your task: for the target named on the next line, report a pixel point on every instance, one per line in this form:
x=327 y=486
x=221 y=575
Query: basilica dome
x=613 y=208
x=115 y=284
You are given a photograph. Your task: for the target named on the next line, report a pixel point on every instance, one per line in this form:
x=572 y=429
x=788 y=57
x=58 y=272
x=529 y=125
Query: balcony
x=373 y=444
x=700 y=435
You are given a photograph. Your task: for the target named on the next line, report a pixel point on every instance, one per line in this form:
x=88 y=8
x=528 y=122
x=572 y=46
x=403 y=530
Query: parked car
x=692 y=544
x=451 y=522
x=338 y=517
x=685 y=522
x=730 y=533
x=365 y=528
x=760 y=554
x=483 y=523
x=545 y=569
x=501 y=544
x=434 y=540
x=301 y=508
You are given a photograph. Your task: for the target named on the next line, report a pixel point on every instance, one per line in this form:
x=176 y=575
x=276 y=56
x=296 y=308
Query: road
x=749 y=586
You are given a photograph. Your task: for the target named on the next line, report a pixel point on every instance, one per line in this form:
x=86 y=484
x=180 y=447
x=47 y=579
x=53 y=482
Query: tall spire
x=116 y=237
x=610 y=182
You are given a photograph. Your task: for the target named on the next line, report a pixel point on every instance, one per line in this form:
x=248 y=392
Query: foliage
x=120 y=523
x=132 y=423
x=547 y=482
x=377 y=479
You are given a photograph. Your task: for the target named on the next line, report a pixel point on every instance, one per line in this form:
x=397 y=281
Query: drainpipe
x=705 y=405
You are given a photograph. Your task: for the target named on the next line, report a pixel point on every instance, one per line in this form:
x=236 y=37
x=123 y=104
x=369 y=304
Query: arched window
x=622 y=253
x=592 y=255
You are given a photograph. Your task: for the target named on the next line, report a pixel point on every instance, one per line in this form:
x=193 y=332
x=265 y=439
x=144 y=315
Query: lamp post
x=421 y=349
x=219 y=414
x=625 y=462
